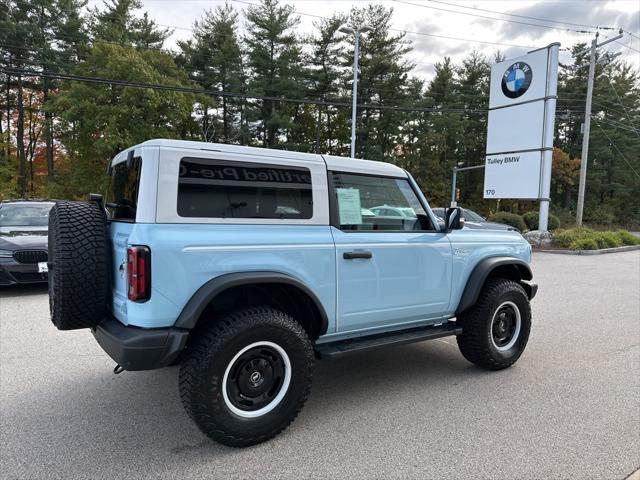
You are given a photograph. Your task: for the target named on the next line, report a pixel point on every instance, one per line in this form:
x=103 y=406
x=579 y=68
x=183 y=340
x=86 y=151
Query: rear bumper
x=136 y=348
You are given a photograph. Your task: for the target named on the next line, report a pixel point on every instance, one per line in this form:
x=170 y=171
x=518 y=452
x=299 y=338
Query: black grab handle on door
x=352 y=255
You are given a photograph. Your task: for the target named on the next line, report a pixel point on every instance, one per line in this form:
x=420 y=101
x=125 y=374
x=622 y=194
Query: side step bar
x=331 y=351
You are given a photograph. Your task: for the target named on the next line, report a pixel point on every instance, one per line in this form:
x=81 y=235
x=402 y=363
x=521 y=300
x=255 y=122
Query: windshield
x=25 y=215
x=472 y=216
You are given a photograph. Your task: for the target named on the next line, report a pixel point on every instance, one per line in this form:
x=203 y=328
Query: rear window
x=224 y=189
x=122 y=195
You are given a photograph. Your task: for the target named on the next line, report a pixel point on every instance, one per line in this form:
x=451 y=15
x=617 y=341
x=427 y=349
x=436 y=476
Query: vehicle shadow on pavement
x=140 y=417
x=23 y=290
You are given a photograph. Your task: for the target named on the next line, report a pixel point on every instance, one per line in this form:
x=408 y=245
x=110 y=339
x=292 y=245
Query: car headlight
x=6 y=253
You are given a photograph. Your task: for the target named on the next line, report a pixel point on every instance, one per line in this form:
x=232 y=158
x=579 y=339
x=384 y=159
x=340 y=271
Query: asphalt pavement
x=570 y=408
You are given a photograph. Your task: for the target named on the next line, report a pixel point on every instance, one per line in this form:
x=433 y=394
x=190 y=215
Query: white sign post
x=522 y=107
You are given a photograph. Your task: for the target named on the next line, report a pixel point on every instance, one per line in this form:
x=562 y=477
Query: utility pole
x=356 y=33
x=587 y=124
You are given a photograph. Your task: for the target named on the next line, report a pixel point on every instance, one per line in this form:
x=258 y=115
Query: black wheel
x=78 y=270
x=245 y=377
x=496 y=329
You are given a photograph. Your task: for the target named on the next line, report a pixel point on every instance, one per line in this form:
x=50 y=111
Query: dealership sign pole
x=522 y=107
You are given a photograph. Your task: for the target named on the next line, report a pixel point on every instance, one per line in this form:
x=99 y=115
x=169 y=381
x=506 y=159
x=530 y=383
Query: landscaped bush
x=584 y=244
x=532 y=219
x=511 y=219
x=587 y=239
x=607 y=239
x=627 y=238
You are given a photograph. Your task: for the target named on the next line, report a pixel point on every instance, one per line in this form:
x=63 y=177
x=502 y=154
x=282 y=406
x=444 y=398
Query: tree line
x=81 y=84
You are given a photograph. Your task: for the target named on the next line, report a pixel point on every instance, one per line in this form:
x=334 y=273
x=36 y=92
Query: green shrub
x=587 y=239
x=607 y=239
x=584 y=244
x=564 y=238
x=532 y=219
x=628 y=239
x=511 y=219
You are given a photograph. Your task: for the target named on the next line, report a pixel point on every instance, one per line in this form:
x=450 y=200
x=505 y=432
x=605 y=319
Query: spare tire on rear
x=78 y=264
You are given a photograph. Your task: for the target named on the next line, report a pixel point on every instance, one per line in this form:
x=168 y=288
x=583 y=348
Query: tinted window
x=392 y=200
x=122 y=196
x=25 y=215
x=223 y=189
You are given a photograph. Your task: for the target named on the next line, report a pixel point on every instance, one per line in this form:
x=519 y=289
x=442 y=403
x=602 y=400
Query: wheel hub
x=255 y=378
x=505 y=326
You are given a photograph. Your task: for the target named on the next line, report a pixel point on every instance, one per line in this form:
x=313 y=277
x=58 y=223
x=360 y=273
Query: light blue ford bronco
x=245 y=265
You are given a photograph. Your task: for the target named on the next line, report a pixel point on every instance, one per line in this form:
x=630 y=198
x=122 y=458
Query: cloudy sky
x=467 y=23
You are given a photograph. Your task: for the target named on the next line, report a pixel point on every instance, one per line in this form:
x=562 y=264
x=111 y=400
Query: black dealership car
x=23 y=241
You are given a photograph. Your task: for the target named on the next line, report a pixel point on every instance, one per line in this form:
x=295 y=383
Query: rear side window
x=122 y=195
x=224 y=189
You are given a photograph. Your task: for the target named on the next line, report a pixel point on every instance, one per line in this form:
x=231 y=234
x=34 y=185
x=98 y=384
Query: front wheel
x=245 y=377
x=496 y=329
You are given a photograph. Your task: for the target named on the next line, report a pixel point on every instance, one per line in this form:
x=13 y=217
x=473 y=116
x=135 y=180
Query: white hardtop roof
x=343 y=164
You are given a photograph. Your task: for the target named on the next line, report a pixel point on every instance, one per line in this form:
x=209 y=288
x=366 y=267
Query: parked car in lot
x=245 y=265
x=474 y=220
x=23 y=241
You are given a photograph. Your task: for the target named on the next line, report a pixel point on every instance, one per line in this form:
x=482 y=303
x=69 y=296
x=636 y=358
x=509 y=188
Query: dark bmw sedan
x=23 y=241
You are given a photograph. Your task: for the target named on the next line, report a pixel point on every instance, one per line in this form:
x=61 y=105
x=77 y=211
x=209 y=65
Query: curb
x=626 y=248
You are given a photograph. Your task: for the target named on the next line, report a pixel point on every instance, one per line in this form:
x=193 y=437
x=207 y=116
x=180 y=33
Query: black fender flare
x=207 y=292
x=482 y=271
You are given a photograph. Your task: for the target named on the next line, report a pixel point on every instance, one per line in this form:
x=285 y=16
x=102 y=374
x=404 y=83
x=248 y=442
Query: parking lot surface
x=570 y=408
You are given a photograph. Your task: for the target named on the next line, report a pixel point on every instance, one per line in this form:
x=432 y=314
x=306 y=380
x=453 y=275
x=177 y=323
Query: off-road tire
x=476 y=343
x=78 y=264
x=209 y=355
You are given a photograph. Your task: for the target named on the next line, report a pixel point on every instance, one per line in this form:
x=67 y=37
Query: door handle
x=356 y=254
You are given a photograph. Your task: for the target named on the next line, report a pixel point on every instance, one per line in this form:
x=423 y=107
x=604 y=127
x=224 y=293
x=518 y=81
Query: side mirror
x=454 y=219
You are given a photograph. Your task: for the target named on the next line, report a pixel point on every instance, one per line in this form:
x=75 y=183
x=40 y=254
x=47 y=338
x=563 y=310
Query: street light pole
x=587 y=125
x=356 y=33
x=354 y=95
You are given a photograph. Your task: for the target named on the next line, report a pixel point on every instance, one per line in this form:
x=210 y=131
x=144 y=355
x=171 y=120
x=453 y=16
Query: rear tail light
x=138 y=273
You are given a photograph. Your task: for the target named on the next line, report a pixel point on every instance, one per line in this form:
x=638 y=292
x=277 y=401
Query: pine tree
x=274 y=60
x=214 y=60
x=117 y=23
x=472 y=93
x=323 y=64
x=383 y=80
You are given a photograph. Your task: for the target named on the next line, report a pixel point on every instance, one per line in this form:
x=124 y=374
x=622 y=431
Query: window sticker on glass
x=349 y=206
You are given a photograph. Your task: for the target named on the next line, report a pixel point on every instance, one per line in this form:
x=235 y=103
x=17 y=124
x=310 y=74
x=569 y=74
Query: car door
x=390 y=270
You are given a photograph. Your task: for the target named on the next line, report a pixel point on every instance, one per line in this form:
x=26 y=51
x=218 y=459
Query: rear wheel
x=496 y=329
x=245 y=377
x=78 y=270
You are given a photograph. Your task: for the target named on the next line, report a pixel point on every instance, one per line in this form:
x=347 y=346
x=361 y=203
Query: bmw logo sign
x=516 y=80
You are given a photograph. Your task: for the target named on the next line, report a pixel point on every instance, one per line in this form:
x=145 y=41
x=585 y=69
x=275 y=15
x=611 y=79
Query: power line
x=524 y=16
x=550 y=27
x=411 y=32
x=629 y=116
x=618 y=150
x=627 y=46
x=177 y=88
x=614 y=124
